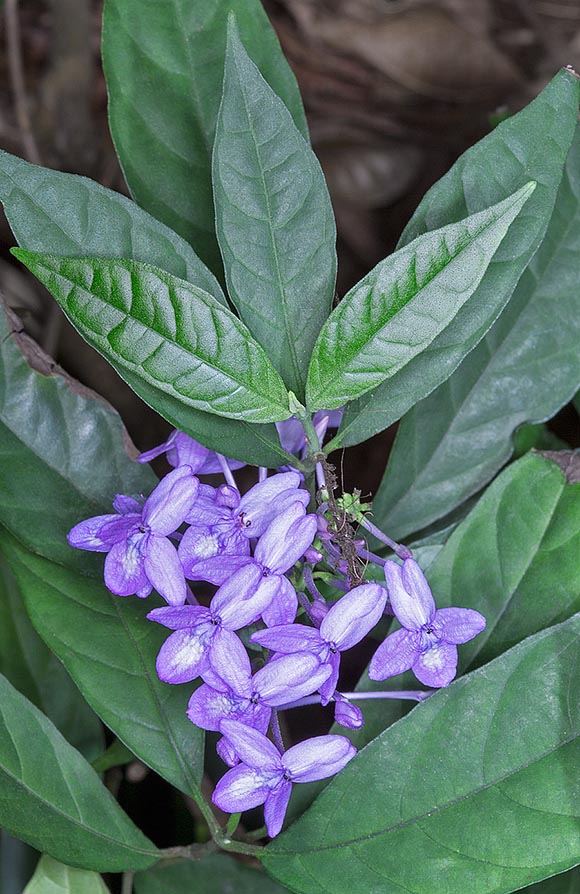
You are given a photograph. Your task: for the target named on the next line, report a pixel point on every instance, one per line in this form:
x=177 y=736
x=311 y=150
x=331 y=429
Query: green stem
x=127 y=883
x=232 y=824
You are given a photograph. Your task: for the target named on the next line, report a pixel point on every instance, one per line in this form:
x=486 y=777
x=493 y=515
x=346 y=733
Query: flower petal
x=100 y=533
x=181 y=617
x=275 y=807
x=207 y=707
x=318 y=758
x=292 y=435
x=240 y=789
x=409 y=593
x=167 y=506
x=226 y=752
x=459 y=625
x=251 y=746
x=394 y=656
x=328 y=687
x=183 y=656
x=436 y=666
x=229 y=660
x=283 y=606
x=243 y=598
x=289 y=678
x=268 y=499
x=217 y=569
x=352 y=617
x=347 y=714
x=289 y=638
x=125 y=566
x=163 y=568
x=286 y=538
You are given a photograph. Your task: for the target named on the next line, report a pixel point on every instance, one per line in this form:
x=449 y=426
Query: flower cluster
x=268 y=637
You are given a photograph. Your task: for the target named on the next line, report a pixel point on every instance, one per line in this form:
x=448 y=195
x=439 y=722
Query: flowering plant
x=222 y=605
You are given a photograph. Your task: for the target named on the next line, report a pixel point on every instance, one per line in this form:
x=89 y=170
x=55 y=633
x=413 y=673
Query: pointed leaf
x=401 y=306
x=173 y=335
x=525 y=369
x=53 y=799
x=274 y=219
x=32 y=669
x=532 y=144
x=217 y=874
x=62 y=459
x=450 y=785
x=164 y=64
x=52 y=877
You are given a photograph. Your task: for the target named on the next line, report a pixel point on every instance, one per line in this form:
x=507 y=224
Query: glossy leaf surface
x=218 y=874
x=54 y=800
x=174 y=336
x=449 y=768
x=530 y=145
x=527 y=366
x=395 y=313
x=164 y=68
x=52 y=877
x=62 y=459
x=274 y=220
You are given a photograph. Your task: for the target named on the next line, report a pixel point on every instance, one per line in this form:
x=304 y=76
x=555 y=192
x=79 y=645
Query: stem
x=403 y=552
x=232 y=824
x=127 y=883
x=309 y=581
x=262 y=473
x=320 y=477
x=276 y=731
x=227 y=472
x=371 y=557
x=404 y=694
x=312 y=440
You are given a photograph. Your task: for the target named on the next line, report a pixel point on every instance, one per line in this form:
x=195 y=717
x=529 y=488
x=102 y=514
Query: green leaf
x=91 y=221
x=457 y=796
x=525 y=369
x=566 y=883
x=32 y=669
x=53 y=799
x=217 y=874
x=274 y=220
x=52 y=877
x=164 y=63
x=116 y=755
x=17 y=862
x=397 y=311
x=62 y=459
x=64 y=214
x=530 y=145
x=173 y=335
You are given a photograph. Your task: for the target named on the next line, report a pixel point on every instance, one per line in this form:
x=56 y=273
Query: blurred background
x=394 y=90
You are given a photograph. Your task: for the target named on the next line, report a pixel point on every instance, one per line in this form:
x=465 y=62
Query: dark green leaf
x=32 y=669
x=400 y=308
x=566 y=883
x=62 y=459
x=459 y=795
x=530 y=145
x=216 y=874
x=64 y=214
x=53 y=799
x=17 y=862
x=52 y=877
x=164 y=68
x=526 y=368
x=116 y=755
x=274 y=220
x=176 y=337
x=88 y=220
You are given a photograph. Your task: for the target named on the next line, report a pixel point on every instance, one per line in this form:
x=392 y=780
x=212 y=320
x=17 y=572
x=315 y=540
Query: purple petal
x=394 y=656
x=180 y=618
x=409 y=593
x=229 y=660
x=269 y=498
x=125 y=567
x=243 y=598
x=218 y=569
x=187 y=452
x=283 y=605
x=167 y=506
x=289 y=638
x=163 y=568
x=127 y=505
x=459 y=625
x=289 y=678
x=353 y=616
x=318 y=758
x=347 y=714
x=226 y=752
x=275 y=807
x=292 y=435
x=183 y=656
x=100 y=533
x=286 y=539
x=251 y=746
x=328 y=687
x=240 y=789
x=208 y=707
x=436 y=666
x=206 y=511
x=148 y=455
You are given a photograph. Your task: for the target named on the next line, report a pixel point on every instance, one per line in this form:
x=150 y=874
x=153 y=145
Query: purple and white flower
x=265 y=776
x=181 y=450
x=140 y=555
x=427 y=643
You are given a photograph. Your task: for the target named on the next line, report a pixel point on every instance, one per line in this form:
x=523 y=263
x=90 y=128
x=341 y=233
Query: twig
x=14 y=53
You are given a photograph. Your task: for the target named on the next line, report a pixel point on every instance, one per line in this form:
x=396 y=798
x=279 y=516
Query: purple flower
x=222 y=524
x=187 y=653
x=342 y=627
x=182 y=450
x=236 y=695
x=140 y=555
x=346 y=713
x=293 y=437
x=427 y=644
x=265 y=776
